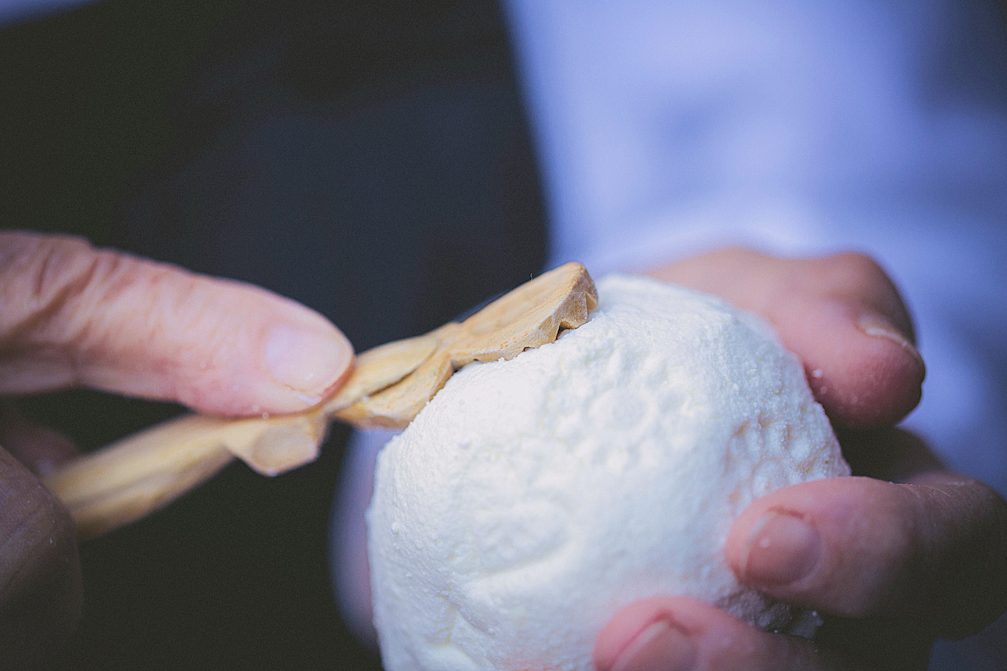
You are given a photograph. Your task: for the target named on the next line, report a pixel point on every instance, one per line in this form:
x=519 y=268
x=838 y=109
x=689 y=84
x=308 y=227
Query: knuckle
x=858 y=275
x=871 y=563
x=904 y=551
x=961 y=555
x=855 y=268
x=52 y=285
x=56 y=286
x=985 y=541
x=86 y=310
x=38 y=277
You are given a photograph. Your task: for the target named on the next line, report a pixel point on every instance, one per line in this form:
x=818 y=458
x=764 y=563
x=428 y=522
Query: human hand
x=71 y=315
x=892 y=565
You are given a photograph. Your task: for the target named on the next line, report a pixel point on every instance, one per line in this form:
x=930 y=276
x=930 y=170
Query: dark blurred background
x=358 y=157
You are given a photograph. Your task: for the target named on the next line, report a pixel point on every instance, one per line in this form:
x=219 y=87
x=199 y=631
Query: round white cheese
x=533 y=498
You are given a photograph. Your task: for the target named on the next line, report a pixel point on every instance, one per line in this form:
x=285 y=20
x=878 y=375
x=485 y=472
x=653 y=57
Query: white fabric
x=668 y=127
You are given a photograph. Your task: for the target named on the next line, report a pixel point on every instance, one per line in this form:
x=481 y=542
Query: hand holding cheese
x=891 y=566
x=896 y=565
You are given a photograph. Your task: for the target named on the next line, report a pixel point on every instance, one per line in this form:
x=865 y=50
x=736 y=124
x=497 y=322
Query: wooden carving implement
x=388 y=387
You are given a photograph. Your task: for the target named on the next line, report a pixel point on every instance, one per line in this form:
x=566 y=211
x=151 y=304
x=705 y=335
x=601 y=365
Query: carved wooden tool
x=388 y=387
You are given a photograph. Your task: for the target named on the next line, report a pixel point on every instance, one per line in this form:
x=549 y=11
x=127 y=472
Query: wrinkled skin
x=72 y=315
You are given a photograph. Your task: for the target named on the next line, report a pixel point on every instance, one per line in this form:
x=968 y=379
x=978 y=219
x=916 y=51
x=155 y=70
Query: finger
x=38 y=447
x=75 y=315
x=934 y=550
x=677 y=633
x=840 y=314
x=40 y=598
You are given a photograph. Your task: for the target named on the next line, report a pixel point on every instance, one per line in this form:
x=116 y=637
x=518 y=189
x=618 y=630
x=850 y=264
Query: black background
x=368 y=159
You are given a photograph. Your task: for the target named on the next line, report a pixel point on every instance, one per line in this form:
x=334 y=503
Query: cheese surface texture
x=533 y=498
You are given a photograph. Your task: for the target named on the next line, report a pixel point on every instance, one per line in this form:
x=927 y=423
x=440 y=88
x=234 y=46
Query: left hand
x=892 y=565
x=72 y=315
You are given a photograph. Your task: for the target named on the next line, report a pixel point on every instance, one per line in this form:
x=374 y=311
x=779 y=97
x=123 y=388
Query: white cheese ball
x=533 y=498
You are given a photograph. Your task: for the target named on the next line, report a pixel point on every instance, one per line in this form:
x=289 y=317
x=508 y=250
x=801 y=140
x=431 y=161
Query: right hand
x=72 y=315
x=893 y=560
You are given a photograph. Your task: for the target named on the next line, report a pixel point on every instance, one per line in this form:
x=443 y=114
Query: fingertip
x=809 y=502
x=304 y=361
x=899 y=371
x=119 y=323
x=671 y=633
x=292 y=360
x=649 y=634
x=862 y=369
x=757 y=522
x=840 y=551
x=622 y=629
x=236 y=350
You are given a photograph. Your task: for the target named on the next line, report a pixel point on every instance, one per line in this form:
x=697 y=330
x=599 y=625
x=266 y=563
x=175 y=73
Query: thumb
x=932 y=550
x=72 y=315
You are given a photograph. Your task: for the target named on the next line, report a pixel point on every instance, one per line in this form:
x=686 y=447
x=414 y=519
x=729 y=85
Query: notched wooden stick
x=383 y=366
x=389 y=385
x=527 y=317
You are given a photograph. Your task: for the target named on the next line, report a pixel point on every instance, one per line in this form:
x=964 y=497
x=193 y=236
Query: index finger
x=71 y=315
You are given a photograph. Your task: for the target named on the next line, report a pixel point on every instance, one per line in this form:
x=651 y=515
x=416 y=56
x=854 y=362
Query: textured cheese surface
x=533 y=498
